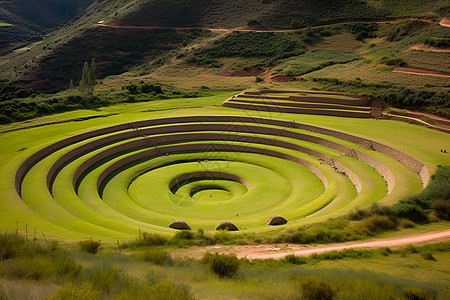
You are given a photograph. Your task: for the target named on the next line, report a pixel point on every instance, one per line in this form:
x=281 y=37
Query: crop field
x=141 y=168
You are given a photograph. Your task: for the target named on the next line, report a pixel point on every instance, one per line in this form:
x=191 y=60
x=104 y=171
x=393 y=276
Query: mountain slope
x=51 y=64
x=30 y=18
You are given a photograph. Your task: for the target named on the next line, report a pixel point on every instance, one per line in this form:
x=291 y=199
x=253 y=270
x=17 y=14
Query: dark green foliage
x=316 y=289
x=413 y=293
x=428 y=256
x=438 y=42
x=268 y=45
x=145 y=88
x=223 y=265
x=362 y=30
x=87 y=81
x=295 y=260
x=89 y=246
x=380 y=223
x=9 y=90
x=400 y=30
x=157 y=256
x=442 y=208
x=393 y=61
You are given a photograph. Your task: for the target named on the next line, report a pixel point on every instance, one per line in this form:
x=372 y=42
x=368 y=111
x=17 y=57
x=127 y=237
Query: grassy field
x=139 y=198
x=364 y=274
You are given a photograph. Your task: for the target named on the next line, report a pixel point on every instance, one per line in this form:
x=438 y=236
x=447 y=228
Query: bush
x=66 y=267
x=151 y=239
x=428 y=256
x=11 y=245
x=89 y=246
x=295 y=260
x=380 y=223
x=407 y=210
x=442 y=208
x=316 y=289
x=223 y=265
x=184 y=235
x=416 y=294
x=157 y=256
x=76 y=292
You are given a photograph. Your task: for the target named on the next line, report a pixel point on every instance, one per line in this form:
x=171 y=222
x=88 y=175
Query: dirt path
x=106 y=24
x=277 y=251
x=419 y=72
x=428 y=125
x=445 y=22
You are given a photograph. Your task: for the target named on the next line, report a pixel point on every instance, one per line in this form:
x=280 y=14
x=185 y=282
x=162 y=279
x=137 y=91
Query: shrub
x=157 y=256
x=442 y=208
x=295 y=260
x=416 y=294
x=11 y=245
x=75 y=292
x=150 y=239
x=89 y=246
x=380 y=223
x=407 y=210
x=316 y=289
x=428 y=256
x=223 y=265
x=66 y=267
x=184 y=235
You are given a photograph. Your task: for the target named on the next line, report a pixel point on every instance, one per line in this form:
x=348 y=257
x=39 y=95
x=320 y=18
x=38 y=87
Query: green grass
x=149 y=206
x=315 y=60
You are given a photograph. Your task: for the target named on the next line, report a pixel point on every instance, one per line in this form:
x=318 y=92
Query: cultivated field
x=139 y=166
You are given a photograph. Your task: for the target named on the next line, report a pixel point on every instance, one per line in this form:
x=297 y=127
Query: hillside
x=28 y=19
x=120 y=47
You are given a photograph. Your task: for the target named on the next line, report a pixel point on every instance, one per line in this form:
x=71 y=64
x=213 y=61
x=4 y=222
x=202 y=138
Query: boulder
x=276 y=220
x=180 y=225
x=226 y=226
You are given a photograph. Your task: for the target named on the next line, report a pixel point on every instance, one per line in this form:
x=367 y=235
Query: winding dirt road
x=218 y=29
x=277 y=251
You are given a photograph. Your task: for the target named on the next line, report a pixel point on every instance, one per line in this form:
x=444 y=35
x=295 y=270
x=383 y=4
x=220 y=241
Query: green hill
x=52 y=63
x=30 y=18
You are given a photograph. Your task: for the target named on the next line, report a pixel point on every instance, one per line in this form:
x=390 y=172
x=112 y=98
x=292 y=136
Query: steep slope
x=51 y=64
x=28 y=19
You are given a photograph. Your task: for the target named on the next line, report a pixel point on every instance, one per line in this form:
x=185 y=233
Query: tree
x=87 y=81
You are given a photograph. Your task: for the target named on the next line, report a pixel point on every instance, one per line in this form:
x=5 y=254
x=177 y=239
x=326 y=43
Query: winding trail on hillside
x=222 y=29
x=278 y=251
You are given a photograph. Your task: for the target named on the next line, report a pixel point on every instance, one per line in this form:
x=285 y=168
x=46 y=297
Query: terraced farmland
x=107 y=178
